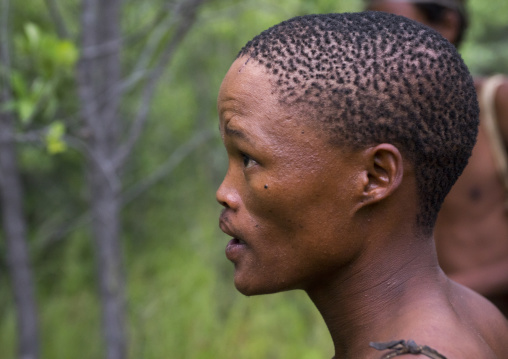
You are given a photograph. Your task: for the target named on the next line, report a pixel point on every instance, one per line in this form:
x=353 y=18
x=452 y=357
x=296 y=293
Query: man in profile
x=344 y=134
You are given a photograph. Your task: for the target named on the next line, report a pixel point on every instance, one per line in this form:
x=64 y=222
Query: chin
x=248 y=288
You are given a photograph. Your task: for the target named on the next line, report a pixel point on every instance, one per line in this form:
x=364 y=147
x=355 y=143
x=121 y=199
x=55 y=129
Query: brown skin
x=340 y=225
x=472 y=228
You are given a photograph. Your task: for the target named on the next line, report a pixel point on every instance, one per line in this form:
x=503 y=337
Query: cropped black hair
x=370 y=78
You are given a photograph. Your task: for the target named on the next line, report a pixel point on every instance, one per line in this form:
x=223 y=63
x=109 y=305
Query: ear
x=383 y=173
x=449 y=26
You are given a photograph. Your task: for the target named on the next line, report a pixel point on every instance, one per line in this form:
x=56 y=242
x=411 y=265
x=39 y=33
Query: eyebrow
x=235 y=133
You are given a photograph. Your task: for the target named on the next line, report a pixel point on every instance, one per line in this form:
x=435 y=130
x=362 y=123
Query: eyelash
x=247 y=159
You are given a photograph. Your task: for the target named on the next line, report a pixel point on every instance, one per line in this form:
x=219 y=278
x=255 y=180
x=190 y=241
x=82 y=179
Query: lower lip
x=234 y=248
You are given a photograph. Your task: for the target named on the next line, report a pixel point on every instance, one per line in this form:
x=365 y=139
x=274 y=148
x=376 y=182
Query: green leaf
x=54 y=138
x=18 y=84
x=65 y=54
x=33 y=34
x=26 y=108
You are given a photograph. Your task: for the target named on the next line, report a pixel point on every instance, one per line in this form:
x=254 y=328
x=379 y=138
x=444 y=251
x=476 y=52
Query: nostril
x=227 y=197
x=221 y=198
x=224 y=204
x=227 y=194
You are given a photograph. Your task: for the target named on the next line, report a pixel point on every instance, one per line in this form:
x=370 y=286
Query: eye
x=248 y=161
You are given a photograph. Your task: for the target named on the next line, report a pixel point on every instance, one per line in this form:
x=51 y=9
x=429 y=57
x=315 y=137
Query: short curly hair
x=369 y=78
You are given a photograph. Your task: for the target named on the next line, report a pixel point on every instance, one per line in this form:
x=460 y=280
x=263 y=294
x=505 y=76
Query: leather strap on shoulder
x=401 y=347
x=487 y=99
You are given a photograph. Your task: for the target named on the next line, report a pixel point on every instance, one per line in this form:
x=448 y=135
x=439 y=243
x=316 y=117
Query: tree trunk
x=106 y=230
x=14 y=225
x=100 y=83
x=98 y=77
x=14 y=228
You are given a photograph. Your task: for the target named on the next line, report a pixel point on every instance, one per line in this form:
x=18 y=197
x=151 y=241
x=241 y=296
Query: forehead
x=247 y=97
x=249 y=110
x=247 y=84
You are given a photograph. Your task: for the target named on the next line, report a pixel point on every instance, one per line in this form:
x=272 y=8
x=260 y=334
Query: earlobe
x=383 y=172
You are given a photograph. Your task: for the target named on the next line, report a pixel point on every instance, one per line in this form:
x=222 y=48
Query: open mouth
x=225 y=227
x=237 y=241
x=235 y=249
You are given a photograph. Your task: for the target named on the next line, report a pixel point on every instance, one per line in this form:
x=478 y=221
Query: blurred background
x=109 y=160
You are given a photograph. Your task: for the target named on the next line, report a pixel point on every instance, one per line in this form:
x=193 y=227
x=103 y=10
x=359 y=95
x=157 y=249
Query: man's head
x=339 y=129
x=372 y=78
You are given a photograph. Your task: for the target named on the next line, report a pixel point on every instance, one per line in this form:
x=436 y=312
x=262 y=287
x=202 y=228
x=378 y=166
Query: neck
x=362 y=305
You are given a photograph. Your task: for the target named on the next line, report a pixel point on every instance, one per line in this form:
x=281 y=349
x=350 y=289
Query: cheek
x=289 y=206
x=267 y=201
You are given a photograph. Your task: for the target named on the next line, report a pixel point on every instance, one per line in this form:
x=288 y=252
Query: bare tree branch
x=177 y=156
x=163 y=171
x=156 y=31
x=187 y=15
x=4 y=48
x=183 y=15
x=141 y=69
x=86 y=89
x=100 y=50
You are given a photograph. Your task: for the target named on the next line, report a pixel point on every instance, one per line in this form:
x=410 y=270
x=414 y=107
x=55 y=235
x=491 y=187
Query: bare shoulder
x=482 y=319
x=460 y=325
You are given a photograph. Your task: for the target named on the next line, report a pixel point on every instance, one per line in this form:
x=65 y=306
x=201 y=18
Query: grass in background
x=181 y=304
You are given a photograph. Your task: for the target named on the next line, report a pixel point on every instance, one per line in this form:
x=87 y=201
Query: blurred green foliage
x=486 y=48
x=43 y=63
x=181 y=299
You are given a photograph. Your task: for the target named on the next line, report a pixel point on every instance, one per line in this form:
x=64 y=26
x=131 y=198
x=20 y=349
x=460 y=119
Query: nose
x=227 y=195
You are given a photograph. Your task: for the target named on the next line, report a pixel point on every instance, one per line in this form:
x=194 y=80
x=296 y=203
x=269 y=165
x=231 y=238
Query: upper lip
x=225 y=226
